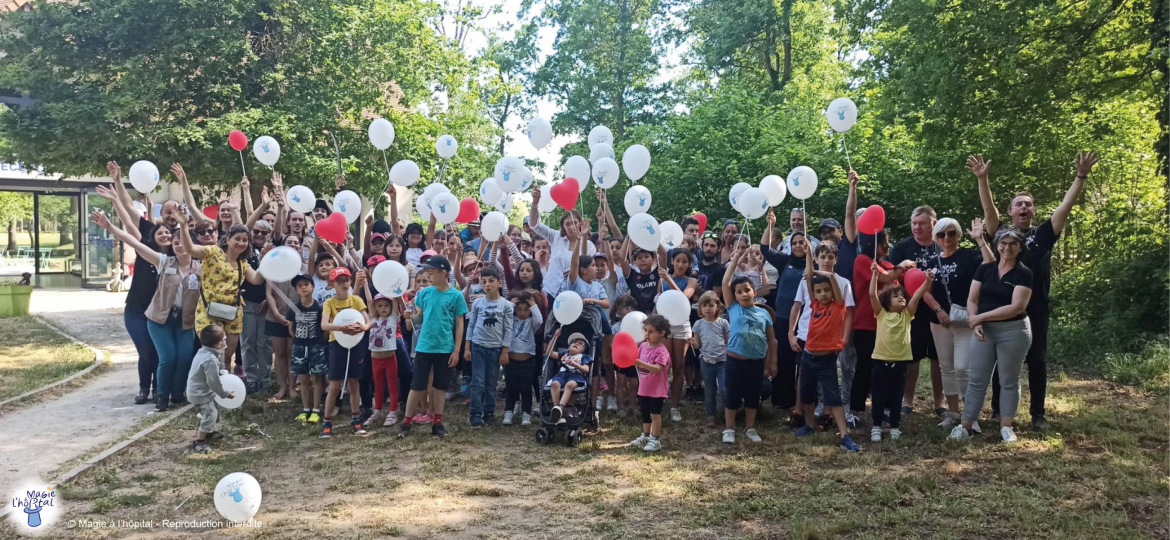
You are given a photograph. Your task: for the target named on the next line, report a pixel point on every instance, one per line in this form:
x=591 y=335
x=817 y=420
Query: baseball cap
x=338 y=272
x=600 y=255
x=299 y=278
x=427 y=254
x=377 y=236
x=830 y=223
x=525 y=236
x=469 y=259
x=375 y=260
x=323 y=205
x=380 y=296
x=437 y=262
x=575 y=336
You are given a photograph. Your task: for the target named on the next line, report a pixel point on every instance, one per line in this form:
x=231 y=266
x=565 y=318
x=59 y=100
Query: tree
x=735 y=35
x=14 y=207
x=508 y=66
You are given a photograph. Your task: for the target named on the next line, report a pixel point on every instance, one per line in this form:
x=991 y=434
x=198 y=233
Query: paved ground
x=37 y=439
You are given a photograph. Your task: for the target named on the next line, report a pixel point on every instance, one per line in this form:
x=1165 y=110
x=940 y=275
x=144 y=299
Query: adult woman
x=791 y=270
x=276 y=325
x=560 y=253
x=1002 y=333
x=953 y=269
x=224 y=272
x=730 y=229
x=205 y=233
x=680 y=278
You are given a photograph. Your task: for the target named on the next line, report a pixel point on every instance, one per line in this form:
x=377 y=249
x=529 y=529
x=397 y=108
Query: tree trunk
x=786 y=40
x=11 y=236
x=1160 y=41
x=503 y=122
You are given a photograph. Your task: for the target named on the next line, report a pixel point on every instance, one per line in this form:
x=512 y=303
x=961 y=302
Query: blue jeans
x=485 y=375
x=714 y=381
x=176 y=349
x=147 y=355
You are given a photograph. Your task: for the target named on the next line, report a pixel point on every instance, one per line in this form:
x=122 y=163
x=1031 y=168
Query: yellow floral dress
x=221 y=283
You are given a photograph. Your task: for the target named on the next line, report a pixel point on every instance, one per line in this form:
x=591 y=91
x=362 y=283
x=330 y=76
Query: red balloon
x=468 y=211
x=566 y=193
x=702 y=219
x=872 y=220
x=332 y=228
x=212 y=212
x=914 y=279
x=237 y=139
x=625 y=351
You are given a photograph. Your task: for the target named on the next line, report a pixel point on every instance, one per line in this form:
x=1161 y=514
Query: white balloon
x=510 y=173
x=143 y=176
x=600 y=135
x=529 y=180
x=842 y=114
x=237 y=497
x=344 y=317
x=489 y=191
x=547 y=204
x=404 y=173
x=672 y=235
x=567 y=307
x=644 y=231
x=637 y=200
x=773 y=187
x=446 y=145
x=381 y=133
x=390 y=278
x=540 y=132
x=632 y=323
x=606 y=173
x=600 y=151
x=434 y=189
x=674 y=306
x=280 y=264
x=735 y=192
x=493 y=225
x=802 y=182
x=267 y=150
x=445 y=207
x=141 y=208
x=578 y=167
x=753 y=203
x=423 y=206
x=349 y=204
x=505 y=203
x=232 y=385
x=301 y=199
x=636 y=161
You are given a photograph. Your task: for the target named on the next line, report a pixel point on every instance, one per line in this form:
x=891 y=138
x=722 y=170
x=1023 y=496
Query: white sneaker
x=875 y=434
x=958 y=433
x=752 y=435
x=975 y=428
x=526 y=420
x=1009 y=436
x=600 y=403
x=652 y=445
x=729 y=436
x=507 y=418
x=516 y=411
x=895 y=434
x=640 y=441
x=820 y=410
x=611 y=404
x=675 y=415
x=949 y=421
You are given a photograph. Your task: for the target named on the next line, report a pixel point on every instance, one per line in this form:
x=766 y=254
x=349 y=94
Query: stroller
x=581 y=411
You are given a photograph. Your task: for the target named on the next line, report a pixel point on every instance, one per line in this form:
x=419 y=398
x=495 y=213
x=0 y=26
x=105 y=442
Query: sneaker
x=517 y=411
x=729 y=436
x=600 y=404
x=819 y=411
x=711 y=422
x=949 y=421
x=804 y=431
x=526 y=419
x=200 y=447
x=653 y=445
x=437 y=430
x=640 y=441
x=942 y=411
x=1009 y=436
x=796 y=421
x=423 y=419
x=958 y=433
x=848 y=444
x=752 y=435
x=142 y=397
x=391 y=419
x=358 y=428
x=163 y=403
x=507 y=418
x=489 y=419
x=476 y=421
x=621 y=413
x=875 y=434
x=895 y=434
x=314 y=417
x=374 y=419
x=403 y=430
x=1039 y=423
x=675 y=415
x=851 y=420
x=213 y=436
x=611 y=404
x=556 y=414
x=907 y=410
x=365 y=414
x=975 y=428
x=302 y=418
x=326 y=429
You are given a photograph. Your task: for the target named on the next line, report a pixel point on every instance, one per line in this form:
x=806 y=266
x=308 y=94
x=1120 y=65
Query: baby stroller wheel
x=573 y=438
x=542 y=436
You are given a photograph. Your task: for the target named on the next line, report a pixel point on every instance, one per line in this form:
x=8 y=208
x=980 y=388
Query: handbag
x=957 y=314
x=221 y=311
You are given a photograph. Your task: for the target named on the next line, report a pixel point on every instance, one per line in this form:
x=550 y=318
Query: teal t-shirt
x=439 y=309
x=749 y=331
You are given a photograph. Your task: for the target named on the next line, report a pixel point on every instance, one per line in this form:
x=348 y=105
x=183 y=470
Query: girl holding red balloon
x=891 y=352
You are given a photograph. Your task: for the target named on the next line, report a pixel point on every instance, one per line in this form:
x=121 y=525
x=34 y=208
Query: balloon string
x=329 y=406
x=244 y=170
x=846 y=147
x=387 y=165
x=442 y=172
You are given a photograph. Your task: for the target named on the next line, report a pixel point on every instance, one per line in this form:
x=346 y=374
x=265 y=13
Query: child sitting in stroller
x=573 y=369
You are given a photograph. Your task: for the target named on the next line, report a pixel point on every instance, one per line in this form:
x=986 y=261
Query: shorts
x=631 y=372
x=922 y=343
x=208 y=416
x=743 y=383
x=275 y=329
x=340 y=368
x=564 y=377
x=424 y=363
x=649 y=406
x=309 y=359
x=679 y=331
x=819 y=370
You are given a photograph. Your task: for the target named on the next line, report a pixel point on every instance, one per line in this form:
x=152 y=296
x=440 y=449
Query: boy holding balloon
x=344 y=362
x=203 y=385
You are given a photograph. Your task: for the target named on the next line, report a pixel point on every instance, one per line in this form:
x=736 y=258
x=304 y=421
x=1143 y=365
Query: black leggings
x=517 y=375
x=889 y=386
x=744 y=378
x=650 y=406
x=863 y=340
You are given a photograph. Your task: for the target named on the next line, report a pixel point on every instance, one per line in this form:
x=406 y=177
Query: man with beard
x=710 y=273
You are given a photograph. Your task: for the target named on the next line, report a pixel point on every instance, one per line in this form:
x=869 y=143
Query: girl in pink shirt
x=653 y=366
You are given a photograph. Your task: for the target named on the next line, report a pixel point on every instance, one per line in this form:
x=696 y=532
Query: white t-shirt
x=803 y=297
x=560 y=259
x=413 y=255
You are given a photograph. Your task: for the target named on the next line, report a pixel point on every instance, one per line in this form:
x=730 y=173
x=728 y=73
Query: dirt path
x=37 y=439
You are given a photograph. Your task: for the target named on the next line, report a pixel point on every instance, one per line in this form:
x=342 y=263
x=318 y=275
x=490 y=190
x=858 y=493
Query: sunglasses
x=207 y=232
x=260 y=232
x=950 y=233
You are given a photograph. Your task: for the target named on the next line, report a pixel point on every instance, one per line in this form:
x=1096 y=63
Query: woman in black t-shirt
x=996 y=311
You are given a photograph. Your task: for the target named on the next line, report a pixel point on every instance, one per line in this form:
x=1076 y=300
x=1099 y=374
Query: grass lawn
x=1100 y=472
x=32 y=355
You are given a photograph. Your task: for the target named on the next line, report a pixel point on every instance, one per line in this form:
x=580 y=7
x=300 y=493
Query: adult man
x=921 y=249
x=796 y=224
x=710 y=274
x=690 y=226
x=1039 y=242
x=255 y=347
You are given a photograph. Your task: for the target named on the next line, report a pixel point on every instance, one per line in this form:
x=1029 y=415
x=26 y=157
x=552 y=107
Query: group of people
x=823 y=326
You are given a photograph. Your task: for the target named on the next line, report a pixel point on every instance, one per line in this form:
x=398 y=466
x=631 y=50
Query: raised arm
x=624 y=257
x=851 y=208
x=392 y=194
x=151 y=255
x=246 y=197
x=278 y=201
x=575 y=264
x=808 y=276
x=976 y=232
x=196 y=251
x=129 y=221
x=1084 y=165
x=912 y=306
x=766 y=238
x=534 y=210
x=608 y=215
x=873 y=288
x=981 y=170
x=120 y=188
x=188 y=197
x=366 y=253
x=728 y=294
x=255 y=215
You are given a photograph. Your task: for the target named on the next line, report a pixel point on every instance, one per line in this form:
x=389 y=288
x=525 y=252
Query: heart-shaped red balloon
x=625 y=351
x=872 y=220
x=565 y=193
x=702 y=219
x=914 y=279
x=212 y=212
x=332 y=228
x=237 y=139
x=468 y=211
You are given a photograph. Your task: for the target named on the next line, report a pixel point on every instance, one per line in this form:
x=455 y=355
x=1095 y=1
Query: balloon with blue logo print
x=802 y=182
x=266 y=150
x=600 y=135
x=529 y=180
x=567 y=307
x=391 y=278
x=774 y=189
x=753 y=203
x=237 y=497
x=404 y=173
x=735 y=191
x=505 y=203
x=644 y=231
x=446 y=145
x=422 y=205
x=445 y=207
x=489 y=191
x=301 y=199
x=672 y=235
x=510 y=173
x=600 y=151
x=841 y=114
x=349 y=204
x=144 y=176
x=606 y=173
x=539 y=132
x=637 y=200
x=578 y=167
x=280 y=265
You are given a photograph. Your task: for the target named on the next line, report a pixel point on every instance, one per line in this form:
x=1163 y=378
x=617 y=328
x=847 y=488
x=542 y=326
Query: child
x=521 y=368
x=438 y=316
x=643 y=281
x=344 y=364
x=581 y=280
x=627 y=377
x=309 y=362
x=203 y=385
x=490 y=335
x=384 y=356
x=825 y=339
x=680 y=278
x=801 y=311
x=891 y=351
x=709 y=337
x=751 y=351
x=574 y=366
x=322 y=288
x=653 y=365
